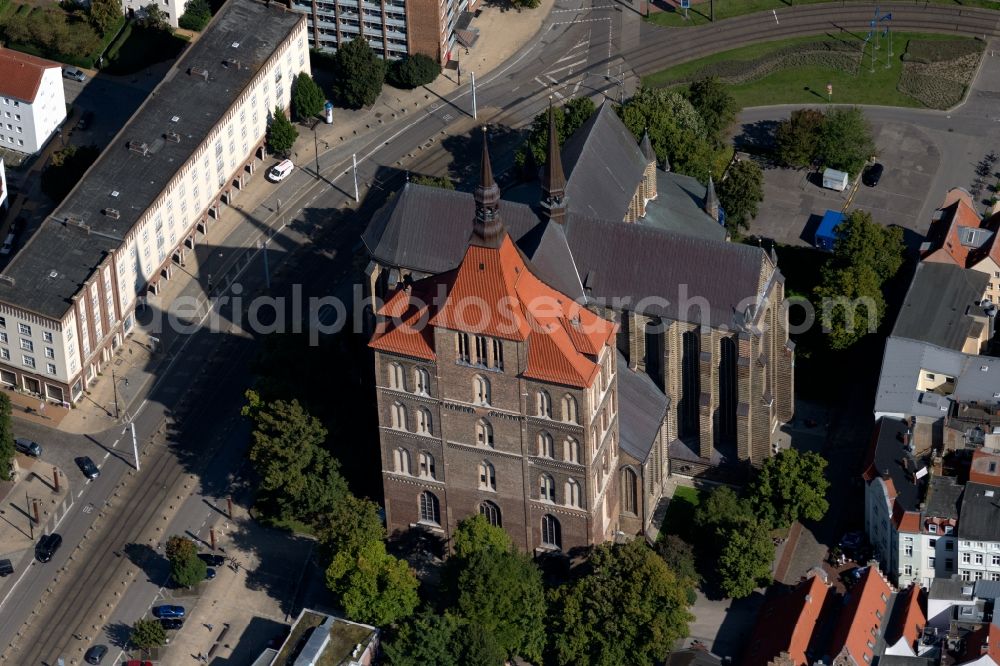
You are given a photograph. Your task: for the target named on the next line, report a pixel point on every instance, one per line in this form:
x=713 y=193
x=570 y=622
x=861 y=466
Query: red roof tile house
x=959 y=235
x=786 y=625
x=862 y=620
x=32 y=102
x=498 y=395
x=908 y=622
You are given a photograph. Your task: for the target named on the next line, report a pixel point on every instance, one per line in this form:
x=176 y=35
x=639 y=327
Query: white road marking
x=106 y=454
x=80 y=493
x=116 y=443
x=569 y=66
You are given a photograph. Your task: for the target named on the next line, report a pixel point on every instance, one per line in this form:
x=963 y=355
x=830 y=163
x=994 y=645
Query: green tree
x=148 y=634
x=104 y=14
x=629 y=608
x=7 y=450
x=845 y=140
x=569 y=117
x=525 y=4
x=676 y=130
x=307 y=97
x=679 y=557
x=863 y=242
x=443 y=182
x=476 y=536
x=197 y=14
x=790 y=486
x=478 y=647
x=426 y=638
x=188 y=571
x=359 y=74
x=413 y=71
x=797 y=138
x=374 y=587
x=180 y=548
x=721 y=509
x=745 y=559
x=351 y=524
x=281 y=133
x=152 y=17
x=739 y=193
x=717 y=108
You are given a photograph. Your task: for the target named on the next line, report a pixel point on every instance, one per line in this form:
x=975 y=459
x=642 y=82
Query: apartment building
x=393 y=28
x=32 y=102
x=172 y=9
x=960 y=236
x=68 y=297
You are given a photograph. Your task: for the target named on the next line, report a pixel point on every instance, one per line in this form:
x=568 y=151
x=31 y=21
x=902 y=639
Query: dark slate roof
x=980 y=513
x=139 y=180
x=677 y=207
x=937 y=303
x=604 y=166
x=891 y=457
x=987 y=589
x=902 y=660
x=427 y=229
x=52 y=267
x=643 y=406
x=944 y=497
x=551 y=258
x=646 y=267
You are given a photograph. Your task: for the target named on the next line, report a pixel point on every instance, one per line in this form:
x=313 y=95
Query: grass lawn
x=699 y=14
x=807 y=85
x=679 y=519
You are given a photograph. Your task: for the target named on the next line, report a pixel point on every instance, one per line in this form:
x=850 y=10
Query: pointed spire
x=487 y=229
x=647 y=148
x=553 y=178
x=711 y=200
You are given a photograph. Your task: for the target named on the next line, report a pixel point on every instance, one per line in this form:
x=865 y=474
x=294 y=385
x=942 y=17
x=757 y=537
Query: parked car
x=168 y=611
x=171 y=623
x=47 y=547
x=74 y=74
x=852 y=540
x=280 y=171
x=6 y=568
x=27 y=447
x=211 y=559
x=88 y=467
x=95 y=654
x=872 y=175
x=209 y=573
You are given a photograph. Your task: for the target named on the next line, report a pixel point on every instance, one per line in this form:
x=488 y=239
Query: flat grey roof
x=892 y=458
x=980 y=513
x=952 y=589
x=944 y=497
x=937 y=305
x=245 y=31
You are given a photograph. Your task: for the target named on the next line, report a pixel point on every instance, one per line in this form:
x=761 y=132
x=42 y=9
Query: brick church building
x=548 y=366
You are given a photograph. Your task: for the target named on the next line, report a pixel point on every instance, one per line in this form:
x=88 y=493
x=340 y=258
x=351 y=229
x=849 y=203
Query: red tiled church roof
x=21 y=74
x=786 y=624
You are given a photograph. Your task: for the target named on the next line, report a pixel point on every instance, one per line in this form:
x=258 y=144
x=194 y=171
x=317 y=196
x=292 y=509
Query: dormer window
x=932 y=528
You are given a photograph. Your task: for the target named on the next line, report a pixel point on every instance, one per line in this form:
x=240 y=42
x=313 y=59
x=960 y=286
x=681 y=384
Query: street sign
x=685 y=4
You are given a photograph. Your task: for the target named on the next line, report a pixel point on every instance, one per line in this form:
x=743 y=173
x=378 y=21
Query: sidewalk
x=502 y=33
x=18 y=530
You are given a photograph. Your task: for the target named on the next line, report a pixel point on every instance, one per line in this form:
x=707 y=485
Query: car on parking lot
x=211 y=559
x=74 y=74
x=47 y=547
x=872 y=174
x=95 y=654
x=171 y=623
x=168 y=611
x=280 y=171
x=209 y=573
x=27 y=447
x=6 y=568
x=87 y=466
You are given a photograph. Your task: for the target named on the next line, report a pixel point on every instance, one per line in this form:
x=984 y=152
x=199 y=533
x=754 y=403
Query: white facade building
x=172 y=9
x=32 y=101
x=68 y=298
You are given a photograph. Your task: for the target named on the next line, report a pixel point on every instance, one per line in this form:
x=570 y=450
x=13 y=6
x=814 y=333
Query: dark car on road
x=27 y=447
x=872 y=175
x=47 y=547
x=95 y=654
x=171 y=623
x=168 y=611
x=6 y=568
x=211 y=559
x=87 y=466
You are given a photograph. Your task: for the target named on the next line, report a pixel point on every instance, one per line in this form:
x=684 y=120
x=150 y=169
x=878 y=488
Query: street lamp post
x=354 y=161
x=475 y=115
x=316 y=146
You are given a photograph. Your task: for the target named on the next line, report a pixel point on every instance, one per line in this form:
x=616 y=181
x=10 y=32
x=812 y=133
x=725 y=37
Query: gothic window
x=491 y=512
x=497 y=354
x=398 y=415
x=484 y=433
x=481 y=390
x=487 y=476
x=396 y=376
x=421 y=381
x=546 y=488
x=545 y=446
x=569 y=409
x=544 y=404
x=427 y=465
x=571 y=450
x=430 y=510
x=482 y=350
x=463 y=346
x=573 y=493
x=401 y=458
x=551 y=532
x=630 y=491
x=424 y=425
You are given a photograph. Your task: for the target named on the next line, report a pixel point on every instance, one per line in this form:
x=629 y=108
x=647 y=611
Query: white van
x=280 y=171
x=835 y=180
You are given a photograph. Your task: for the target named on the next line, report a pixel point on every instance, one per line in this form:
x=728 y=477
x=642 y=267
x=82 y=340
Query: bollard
x=55 y=478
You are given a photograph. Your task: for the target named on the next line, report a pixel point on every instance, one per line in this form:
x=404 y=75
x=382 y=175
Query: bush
x=196 y=15
x=413 y=71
